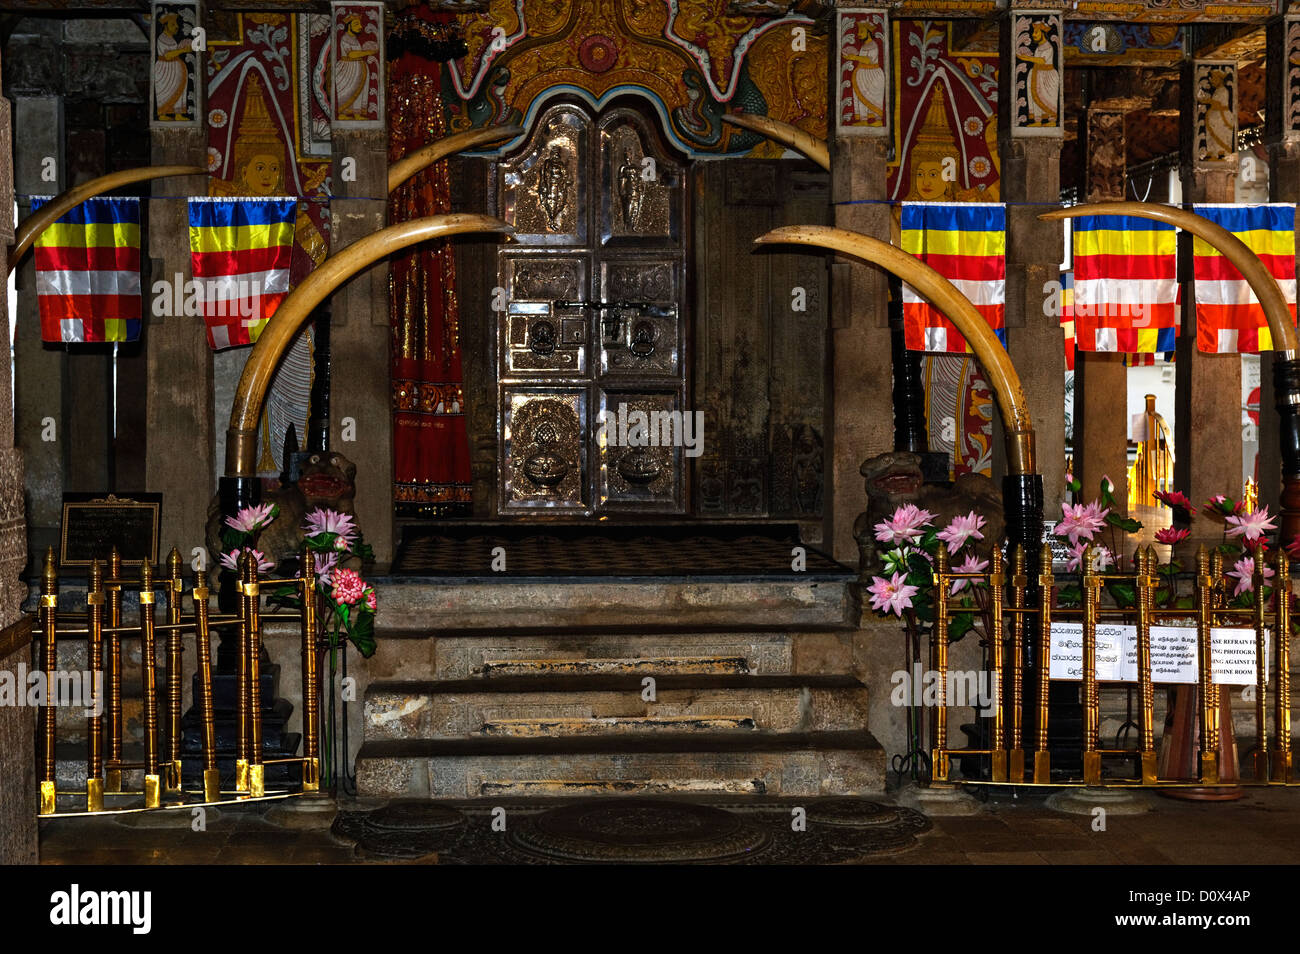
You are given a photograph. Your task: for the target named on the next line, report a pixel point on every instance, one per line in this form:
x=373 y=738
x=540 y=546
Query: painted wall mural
x=945 y=141
x=357 y=41
x=1038 y=104
x=694 y=62
x=175 y=76
x=862 y=68
x=1215 y=127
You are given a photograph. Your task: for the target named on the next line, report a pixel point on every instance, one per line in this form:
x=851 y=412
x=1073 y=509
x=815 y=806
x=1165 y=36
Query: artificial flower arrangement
x=333 y=538
x=907 y=591
x=1244 y=533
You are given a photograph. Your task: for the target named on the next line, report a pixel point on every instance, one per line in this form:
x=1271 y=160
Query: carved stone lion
x=894 y=479
x=328 y=479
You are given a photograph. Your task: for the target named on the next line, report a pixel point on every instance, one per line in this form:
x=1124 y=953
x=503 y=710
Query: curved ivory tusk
x=30 y=229
x=955 y=306
x=787 y=135
x=1261 y=282
x=408 y=166
x=241 y=436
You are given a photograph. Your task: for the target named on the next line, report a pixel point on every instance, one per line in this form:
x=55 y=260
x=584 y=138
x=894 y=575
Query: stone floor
x=1261 y=828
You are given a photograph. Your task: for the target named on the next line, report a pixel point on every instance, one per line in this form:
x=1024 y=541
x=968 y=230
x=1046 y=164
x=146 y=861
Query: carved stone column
x=1207 y=439
x=1101 y=379
x=860 y=412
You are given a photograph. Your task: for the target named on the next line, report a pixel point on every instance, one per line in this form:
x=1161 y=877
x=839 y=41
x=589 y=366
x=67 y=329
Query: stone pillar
x=860 y=411
x=1101 y=379
x=18 y=843
x=361 y=417
x=1207 y=439
x=1031 y=176
x=38 y=370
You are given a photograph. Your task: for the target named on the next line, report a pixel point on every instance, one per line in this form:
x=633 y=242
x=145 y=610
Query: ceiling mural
x=692 y=61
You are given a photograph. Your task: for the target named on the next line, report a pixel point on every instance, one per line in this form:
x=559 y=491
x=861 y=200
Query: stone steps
x=534 y=707
x=706 y=762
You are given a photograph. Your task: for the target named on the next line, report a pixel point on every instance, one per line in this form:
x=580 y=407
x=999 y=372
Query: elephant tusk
x=784 y=133
x=955 y=306
x=30 y=229
x=294 y=311
x=408 y=166
x=1247 y=262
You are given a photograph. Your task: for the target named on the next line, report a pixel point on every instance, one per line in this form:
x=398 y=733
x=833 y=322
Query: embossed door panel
x=641 y=190
x=545 y=449
x=640 y=451
x=543 y=190
x=594 y=317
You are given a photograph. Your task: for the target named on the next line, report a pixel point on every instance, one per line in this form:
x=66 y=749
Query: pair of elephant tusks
x=958 y=309
x=296 y=309
x=792 y=136
x=408 y=166
x=30 y=229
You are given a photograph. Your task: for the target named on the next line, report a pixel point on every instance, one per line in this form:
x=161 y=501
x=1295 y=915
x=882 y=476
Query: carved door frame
x=601 y=206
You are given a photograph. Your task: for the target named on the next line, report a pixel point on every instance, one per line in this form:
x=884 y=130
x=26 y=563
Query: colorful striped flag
x=1229 y=318
x=966 y=243
x=1126 y=291
x=88 y=272
x=241 y=250
x=1067 y=317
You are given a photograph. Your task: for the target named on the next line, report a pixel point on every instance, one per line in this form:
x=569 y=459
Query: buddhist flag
x=88 y=272
x=1125 y=284
x=241 y=250
x=1229 y=318
x=966 y=243
x=1067 y=317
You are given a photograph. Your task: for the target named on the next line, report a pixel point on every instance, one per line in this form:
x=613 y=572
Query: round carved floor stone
x=414 y=815
x=853 y=813
x=638 y=831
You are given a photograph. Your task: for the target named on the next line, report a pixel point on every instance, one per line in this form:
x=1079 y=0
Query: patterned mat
x=634 y=831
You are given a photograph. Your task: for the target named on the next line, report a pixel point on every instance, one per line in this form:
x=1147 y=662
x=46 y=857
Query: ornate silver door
x=591 y=331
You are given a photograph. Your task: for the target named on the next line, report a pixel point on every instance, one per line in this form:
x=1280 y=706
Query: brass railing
x=102 y=626
x=1015 y=608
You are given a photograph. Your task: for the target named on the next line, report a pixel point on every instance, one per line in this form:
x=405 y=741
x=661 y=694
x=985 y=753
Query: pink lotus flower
x=893 y=595
x=252 y=519
x=1219 y=506
x=1175 y=498
x=372 y=603
x=1243 y=571
x=323 y=520
x=1101 y=558
x=1293 y=549
x=905 y=526
x=962 y=529
x=231 y=560
x=1251 y=525
x=972 y=564
x=1171 y=535
x=348 y=587
x=324 y=566
x=1081 y=520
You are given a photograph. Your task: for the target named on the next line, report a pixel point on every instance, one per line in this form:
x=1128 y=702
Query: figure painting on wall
x=1044 y=84
x=174 y=100
x=865 y=63
x=352 y=78
x=1214 y=96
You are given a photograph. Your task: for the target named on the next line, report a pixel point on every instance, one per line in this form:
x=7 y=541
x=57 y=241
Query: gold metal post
x=1204 y=608
x=256 y=777
x=1019 y=582
x=48 y=716
x=113 y=774
x=310 y=677
x=203 y=649
x=175 y=671
x=997 y=637
x=1261 y=671
x=1145 y=558
x=242 y=715
x=95 y=722
x=149 y=666
x=1047 y=585
x=1282 y=771
x=939 y=654
x=1091 y=694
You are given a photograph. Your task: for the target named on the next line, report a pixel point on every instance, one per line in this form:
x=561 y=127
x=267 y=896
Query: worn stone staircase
x=550 y=692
